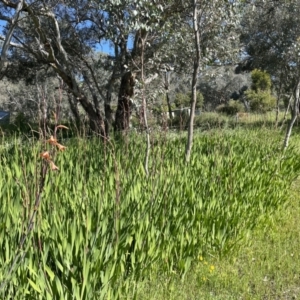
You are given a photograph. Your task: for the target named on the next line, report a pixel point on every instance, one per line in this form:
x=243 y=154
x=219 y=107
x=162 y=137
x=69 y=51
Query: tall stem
x=295 y=112
x=194 y=82
x=146 y=164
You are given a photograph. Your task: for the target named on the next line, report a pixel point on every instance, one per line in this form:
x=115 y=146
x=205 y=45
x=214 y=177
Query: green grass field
x=264 y=267
x=223 y=227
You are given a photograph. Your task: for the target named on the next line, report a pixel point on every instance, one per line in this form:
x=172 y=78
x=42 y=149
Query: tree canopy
x=63 y=39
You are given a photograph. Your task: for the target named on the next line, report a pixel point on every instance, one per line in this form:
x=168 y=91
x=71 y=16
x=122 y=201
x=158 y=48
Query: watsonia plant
x=28 y=194
x=104 y=224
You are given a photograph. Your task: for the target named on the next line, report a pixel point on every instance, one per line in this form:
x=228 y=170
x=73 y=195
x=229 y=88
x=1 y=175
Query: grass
x=104 y=229
x=266 y=266
x=210 y=120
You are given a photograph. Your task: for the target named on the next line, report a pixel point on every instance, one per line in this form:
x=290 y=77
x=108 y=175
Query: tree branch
x=7 y=40
x=12 y=44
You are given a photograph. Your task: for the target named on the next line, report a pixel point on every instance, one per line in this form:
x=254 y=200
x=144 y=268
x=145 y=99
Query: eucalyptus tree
x=61 y=36
x=270 y=33
x=213 y=24
x=139 y=32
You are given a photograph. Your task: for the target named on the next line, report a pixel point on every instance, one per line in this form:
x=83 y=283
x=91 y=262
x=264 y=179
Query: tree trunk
x=107 y=106
x=194 y=83
x=96 y=120
x=124 y=107
x=295 y=112
x=167 y=84
x=126 y=90
x=74 y=108
x=108 y=117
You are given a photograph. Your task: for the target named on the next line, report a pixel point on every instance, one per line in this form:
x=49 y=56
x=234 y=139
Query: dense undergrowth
x=104 y=224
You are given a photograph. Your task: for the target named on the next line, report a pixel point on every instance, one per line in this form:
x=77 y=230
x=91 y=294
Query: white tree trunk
x=194 y=82
x=295 y=112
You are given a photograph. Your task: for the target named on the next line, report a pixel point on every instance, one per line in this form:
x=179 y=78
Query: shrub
x=231 y=108
x=184 y=100
x=210 y=119
x=179 y=122
x=261 y=81
x=285 y=99
x=260 y=97
x=261 y=101
x=162 y=108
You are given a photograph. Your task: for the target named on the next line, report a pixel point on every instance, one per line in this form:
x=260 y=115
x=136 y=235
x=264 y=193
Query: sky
x=104 y=46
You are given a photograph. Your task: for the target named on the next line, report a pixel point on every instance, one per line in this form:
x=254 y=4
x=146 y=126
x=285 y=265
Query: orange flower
x=53 y=166
x=61 y=147
x=45 y=155
x=52 y=140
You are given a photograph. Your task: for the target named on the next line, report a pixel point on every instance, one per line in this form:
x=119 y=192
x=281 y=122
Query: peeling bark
x=126 y=90
x=124 y=107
